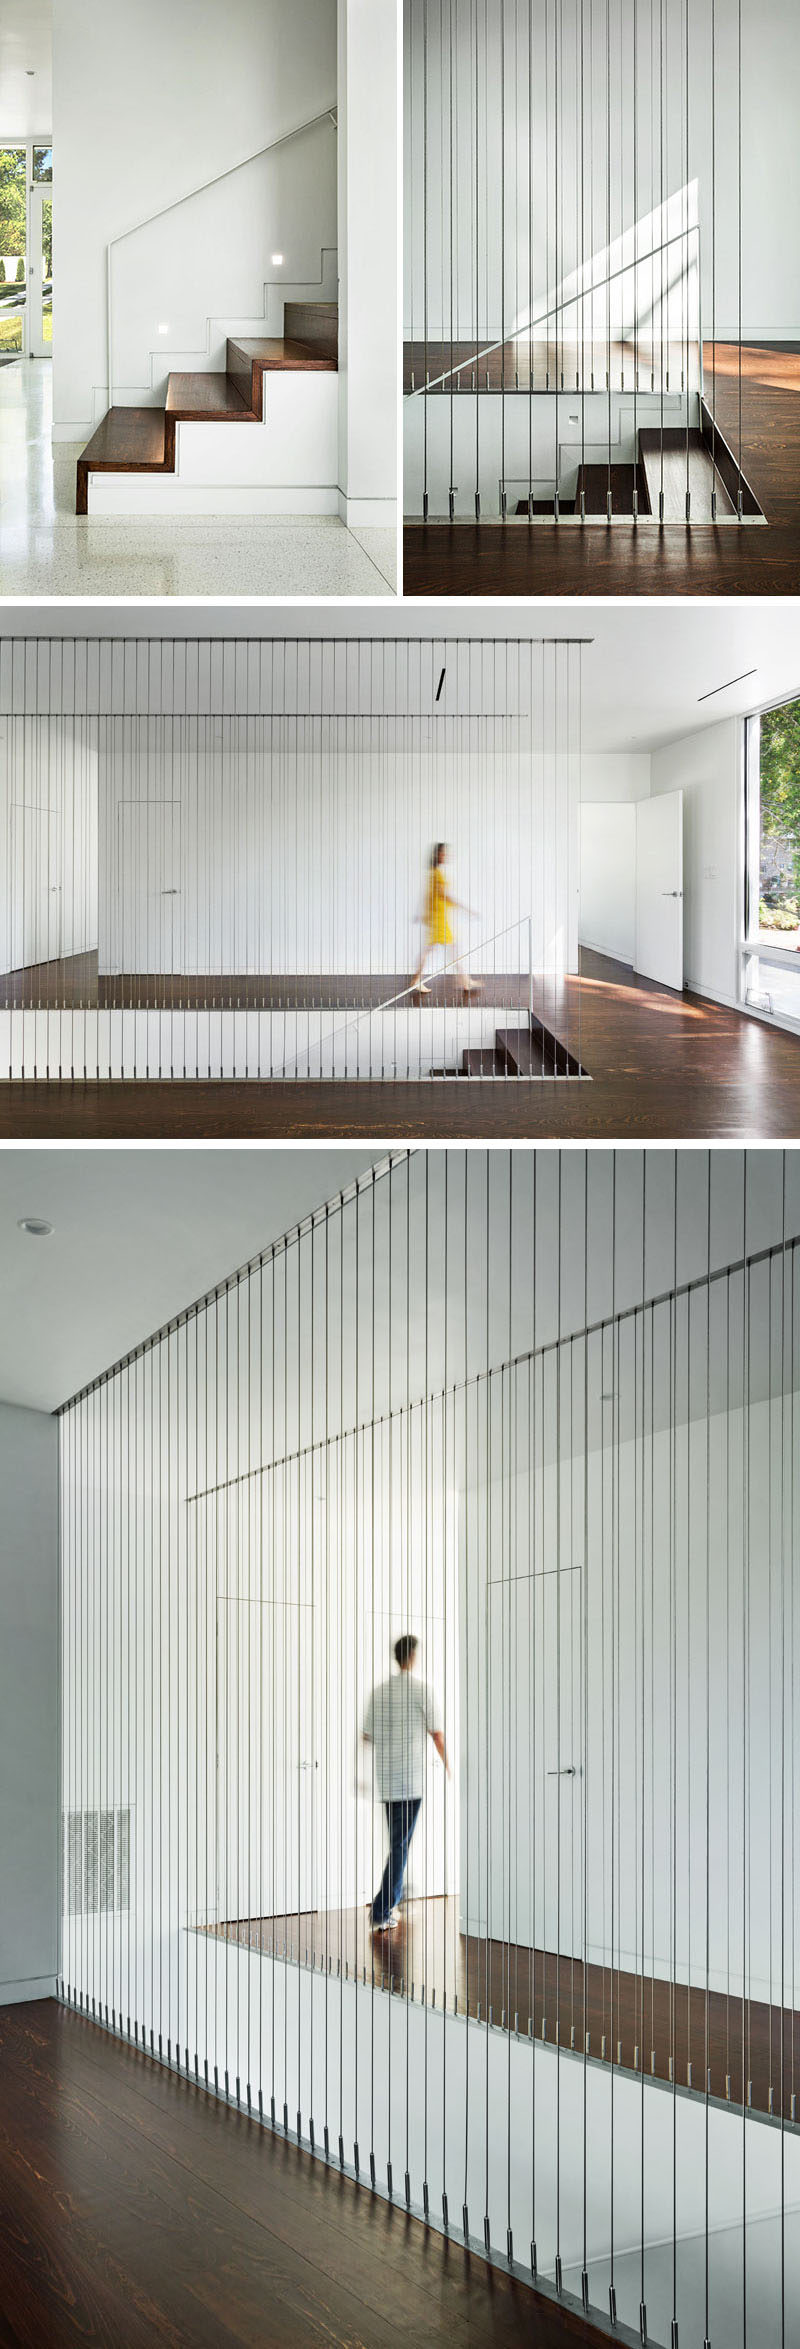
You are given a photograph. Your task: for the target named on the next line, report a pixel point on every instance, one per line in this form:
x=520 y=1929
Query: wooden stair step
x=206 y=398
x=314 y=323
x=482 y=1060
x=664 y=457
x=535 y=1052
x=594 y=481
x=129 y=440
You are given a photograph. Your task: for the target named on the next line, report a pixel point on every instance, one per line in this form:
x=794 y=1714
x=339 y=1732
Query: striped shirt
x=401 y=1713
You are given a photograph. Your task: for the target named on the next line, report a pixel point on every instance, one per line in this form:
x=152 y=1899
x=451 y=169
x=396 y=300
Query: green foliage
x=12 y=200
x=779 y=917
x=780 y=779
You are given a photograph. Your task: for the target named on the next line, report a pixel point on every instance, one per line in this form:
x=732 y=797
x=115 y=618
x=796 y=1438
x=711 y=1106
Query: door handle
x=672 y=892
x=170 y=892
x=568 y=1770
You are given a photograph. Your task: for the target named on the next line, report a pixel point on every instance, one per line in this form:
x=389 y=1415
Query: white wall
x=771 y=188
x=49 y=878
x=148 y=104
x=368 y=235
x=29 y=1700
x=611 y=784
x=708 y=769
x=300 y=858
x=608 y=879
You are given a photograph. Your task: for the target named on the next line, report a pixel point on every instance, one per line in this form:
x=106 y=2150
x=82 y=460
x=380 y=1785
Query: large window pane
x=47 y=269
x=778 y=912
x=12 y=249
x=43 y=163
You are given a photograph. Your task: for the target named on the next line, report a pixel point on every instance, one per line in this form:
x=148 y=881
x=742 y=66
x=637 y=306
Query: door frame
x=121 y=964
x=242 y=1599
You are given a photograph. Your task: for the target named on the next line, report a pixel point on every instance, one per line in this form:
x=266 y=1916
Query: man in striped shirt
x=400 y=1715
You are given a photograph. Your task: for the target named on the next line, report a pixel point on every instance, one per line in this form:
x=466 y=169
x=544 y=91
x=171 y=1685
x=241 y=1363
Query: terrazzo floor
x=46 y=550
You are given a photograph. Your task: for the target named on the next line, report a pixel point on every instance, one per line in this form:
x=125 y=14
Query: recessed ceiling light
x=36 y=1227
x=163 y=326
x=277 y=260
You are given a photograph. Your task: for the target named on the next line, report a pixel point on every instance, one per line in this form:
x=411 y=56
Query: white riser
x=288 y=464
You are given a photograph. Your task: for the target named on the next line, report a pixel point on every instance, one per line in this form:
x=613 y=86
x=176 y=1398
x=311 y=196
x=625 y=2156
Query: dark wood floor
x=487 y=560
x=73 y=982
x=137 y=2212
x=631 y=2020
x=665 y=1067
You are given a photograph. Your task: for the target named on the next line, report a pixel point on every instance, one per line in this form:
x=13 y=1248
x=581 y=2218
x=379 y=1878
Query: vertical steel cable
x=740 y=492
x=425 y=257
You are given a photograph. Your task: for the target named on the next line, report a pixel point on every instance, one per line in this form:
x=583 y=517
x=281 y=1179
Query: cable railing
x=531 y=1416
x=586 y=343
x=459 y=1030
x=542 y=157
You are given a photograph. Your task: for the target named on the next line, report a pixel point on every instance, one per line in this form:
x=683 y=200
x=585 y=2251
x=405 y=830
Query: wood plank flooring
x=140 y=2213
x=630 y=2019
x=665 y=1067
x=486 y=560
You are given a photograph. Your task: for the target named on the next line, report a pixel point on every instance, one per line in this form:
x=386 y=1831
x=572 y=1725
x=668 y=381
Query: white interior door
x=149 y=895
x=266 y=1759
x=659 y=889
x=36 y=919
x=534 y=1826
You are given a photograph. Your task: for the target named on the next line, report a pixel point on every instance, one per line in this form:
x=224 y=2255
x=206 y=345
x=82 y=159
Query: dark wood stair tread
x=664 y=457
x=128 y=438
x=211 y=397
x=594 y=481
x=276 y=353
x=482 y=1060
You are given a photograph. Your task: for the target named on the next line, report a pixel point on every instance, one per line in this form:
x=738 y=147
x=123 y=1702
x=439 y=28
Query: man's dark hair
x=405 y=1649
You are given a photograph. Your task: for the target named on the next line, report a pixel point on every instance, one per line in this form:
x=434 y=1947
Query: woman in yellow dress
x=436 y=929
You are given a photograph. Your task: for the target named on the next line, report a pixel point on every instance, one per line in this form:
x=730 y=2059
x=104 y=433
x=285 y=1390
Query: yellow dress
x=436 y=921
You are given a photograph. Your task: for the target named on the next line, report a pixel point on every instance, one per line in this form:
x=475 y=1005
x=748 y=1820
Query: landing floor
x=664 y=1067
x=141 y=2213
x=540 y=559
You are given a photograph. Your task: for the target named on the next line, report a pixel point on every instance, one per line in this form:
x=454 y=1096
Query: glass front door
x=40 y=273
x=13 y=252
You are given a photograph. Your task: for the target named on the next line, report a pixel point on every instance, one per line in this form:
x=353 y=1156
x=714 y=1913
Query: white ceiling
x=26 y=44
x=644 y=672
x=139 y=1234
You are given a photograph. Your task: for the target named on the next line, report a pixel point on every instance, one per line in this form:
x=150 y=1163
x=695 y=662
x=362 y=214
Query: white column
x=368 y=272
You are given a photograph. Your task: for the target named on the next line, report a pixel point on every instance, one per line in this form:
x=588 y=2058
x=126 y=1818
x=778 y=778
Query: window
x=772 y=945
x=42 y=163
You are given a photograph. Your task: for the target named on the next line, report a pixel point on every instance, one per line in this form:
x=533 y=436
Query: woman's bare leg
x=419 y=985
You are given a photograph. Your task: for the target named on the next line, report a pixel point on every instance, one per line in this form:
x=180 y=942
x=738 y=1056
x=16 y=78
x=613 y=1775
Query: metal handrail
x=329 y=114
x=556 y=309
x=372 y=1010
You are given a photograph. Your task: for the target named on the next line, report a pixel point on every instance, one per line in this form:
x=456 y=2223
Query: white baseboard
x=17 y=1993
x=367 y=513
x=163 y=494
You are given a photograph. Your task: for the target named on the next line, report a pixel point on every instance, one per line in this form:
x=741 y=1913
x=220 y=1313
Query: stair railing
x=372 y=1011
x=556 y=309
x=328 y=114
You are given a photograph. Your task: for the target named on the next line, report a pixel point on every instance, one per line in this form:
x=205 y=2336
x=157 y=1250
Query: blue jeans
x=402 y=1817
